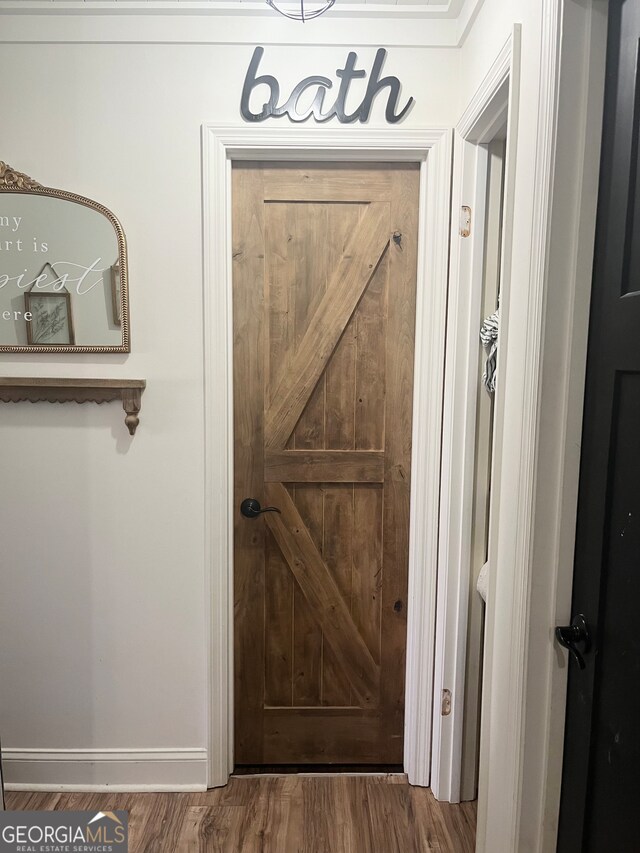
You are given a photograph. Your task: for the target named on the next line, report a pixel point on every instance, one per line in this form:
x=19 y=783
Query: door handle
x=250 y=508
x=570 y=636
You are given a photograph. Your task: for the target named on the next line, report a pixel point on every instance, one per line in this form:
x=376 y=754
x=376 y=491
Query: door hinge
x=446 y=703
x=465 y=220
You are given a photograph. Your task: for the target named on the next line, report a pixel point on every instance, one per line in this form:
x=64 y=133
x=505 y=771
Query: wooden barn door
x=324 y=268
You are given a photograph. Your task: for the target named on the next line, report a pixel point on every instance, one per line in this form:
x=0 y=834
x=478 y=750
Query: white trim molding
x=486 y=114
x=105 y=769
x=517 y=417
x=432 y=148
x=255 y=8
x=400 y=25
x=487 y=109
x=539 y=419
x=563 y=346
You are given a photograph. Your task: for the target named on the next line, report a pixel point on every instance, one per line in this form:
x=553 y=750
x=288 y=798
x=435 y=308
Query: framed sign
x=48 y=319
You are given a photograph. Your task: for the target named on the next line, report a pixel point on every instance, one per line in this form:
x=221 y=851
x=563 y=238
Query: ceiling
x=364 y=8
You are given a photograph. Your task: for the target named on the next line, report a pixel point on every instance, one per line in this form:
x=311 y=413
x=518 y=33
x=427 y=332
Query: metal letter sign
x=323 y=84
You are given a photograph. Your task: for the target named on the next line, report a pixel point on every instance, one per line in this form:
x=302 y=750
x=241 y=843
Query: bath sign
x=307 y=98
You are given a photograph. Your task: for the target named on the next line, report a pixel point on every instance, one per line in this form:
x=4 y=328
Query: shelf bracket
x=40 y=389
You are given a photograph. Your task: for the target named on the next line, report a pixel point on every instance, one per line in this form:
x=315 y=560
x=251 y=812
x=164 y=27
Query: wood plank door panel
x=324 y=315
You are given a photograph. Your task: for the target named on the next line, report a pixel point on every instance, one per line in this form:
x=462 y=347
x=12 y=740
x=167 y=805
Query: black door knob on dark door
x=250 y=508
x=574 y=635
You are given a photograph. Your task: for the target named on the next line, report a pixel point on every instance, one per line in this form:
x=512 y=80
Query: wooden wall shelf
x=129 y=391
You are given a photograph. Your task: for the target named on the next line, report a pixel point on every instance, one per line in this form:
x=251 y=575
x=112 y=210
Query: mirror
x=63 y=271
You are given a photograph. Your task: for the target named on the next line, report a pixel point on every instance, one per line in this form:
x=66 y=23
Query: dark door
x=599 y=805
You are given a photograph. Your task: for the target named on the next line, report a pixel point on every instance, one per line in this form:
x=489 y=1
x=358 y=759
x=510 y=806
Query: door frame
x=494 y=100
x=538 y=427
x=432 y=148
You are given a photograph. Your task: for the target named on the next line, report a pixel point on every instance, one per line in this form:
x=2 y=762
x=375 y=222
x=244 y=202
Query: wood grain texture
x=310 y=274
x=371 y=370
x=325 y=734
x=367 y=565
x=332 y=322
x=307 y=644
x=338 y=555
x=354 y=271
x=248 y=373
x=283 y=814
x=323 y=595
x=339 y=377
x=277 y=315
x=323 y=466
x=278 y=614
x=399 y=345
x=347 y=182
x=43 y=389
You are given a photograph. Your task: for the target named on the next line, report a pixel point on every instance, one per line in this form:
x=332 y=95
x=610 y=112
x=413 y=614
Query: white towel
x=489 y=337
x=483 y=582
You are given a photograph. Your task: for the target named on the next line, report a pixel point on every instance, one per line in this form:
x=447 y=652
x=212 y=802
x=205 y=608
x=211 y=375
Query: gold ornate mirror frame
x=17 y=182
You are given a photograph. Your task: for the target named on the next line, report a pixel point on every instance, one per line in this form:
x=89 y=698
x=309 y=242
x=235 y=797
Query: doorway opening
x=431 y=148
x=488 y=339
x=484 y=161
x=324 y=288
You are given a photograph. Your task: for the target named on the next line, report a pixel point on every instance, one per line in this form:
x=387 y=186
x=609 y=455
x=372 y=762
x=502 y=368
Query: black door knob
x=250 y=508
x=574 y=635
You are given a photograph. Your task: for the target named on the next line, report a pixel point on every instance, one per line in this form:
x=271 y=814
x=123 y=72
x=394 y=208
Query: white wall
x=102 y=628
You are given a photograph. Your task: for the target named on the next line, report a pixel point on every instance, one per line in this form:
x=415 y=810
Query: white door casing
x=495 y=98
x=432 y=148
x=538 y=424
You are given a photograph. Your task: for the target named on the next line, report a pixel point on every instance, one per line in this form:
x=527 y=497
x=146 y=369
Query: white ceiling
x=365 y=8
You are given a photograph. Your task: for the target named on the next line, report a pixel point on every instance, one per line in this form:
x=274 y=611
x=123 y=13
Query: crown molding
x=362 y=24
x=223 y=7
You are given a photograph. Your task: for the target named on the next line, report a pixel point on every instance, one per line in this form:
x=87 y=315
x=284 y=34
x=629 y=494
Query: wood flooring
x=283 y=814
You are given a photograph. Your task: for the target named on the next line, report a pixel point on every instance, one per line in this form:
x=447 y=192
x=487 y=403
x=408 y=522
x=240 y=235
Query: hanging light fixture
x=305 y=13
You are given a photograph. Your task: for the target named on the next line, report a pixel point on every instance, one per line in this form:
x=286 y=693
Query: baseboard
x=105 y=769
